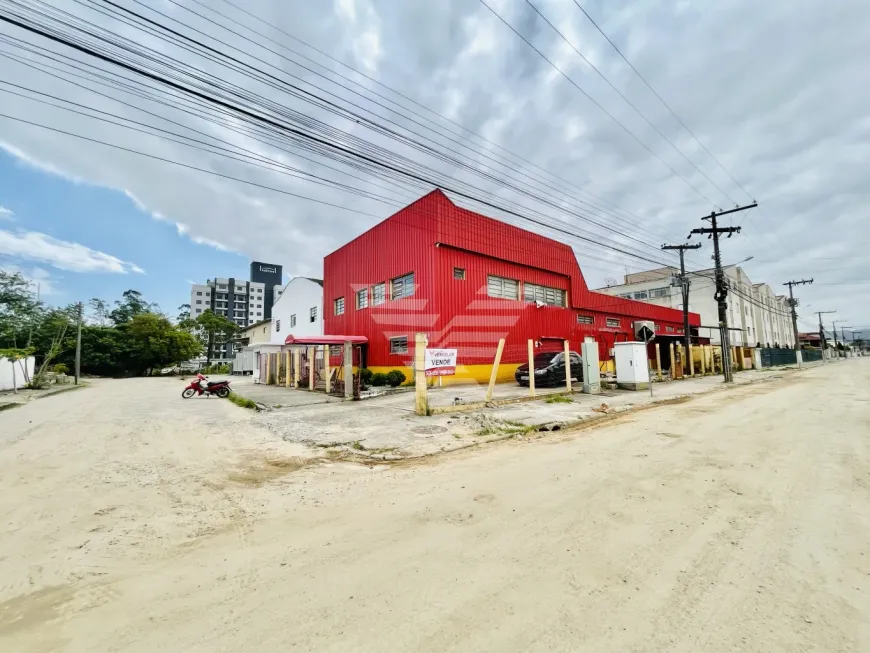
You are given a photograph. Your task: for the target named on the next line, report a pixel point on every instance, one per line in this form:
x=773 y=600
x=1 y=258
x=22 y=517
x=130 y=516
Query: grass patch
x=502 y=427
x=241 y=401
x=559 y=399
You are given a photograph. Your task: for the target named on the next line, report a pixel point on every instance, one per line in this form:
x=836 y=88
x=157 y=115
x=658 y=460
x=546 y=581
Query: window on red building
x=399 y=345
x=362 y=298
x=551 y=296
x=402 y=286
x=502 y=288
x=459 y=274
x=379 y=294
x=339 y=306
x=612 y=322
x=585 y=319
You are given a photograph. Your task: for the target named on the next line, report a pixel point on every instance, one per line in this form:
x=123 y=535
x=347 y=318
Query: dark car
x=550 y=369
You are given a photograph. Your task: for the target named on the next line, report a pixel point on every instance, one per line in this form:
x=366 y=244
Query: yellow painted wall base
x=465 y=374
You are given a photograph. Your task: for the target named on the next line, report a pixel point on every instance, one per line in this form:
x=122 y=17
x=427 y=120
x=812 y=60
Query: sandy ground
x=737 y=521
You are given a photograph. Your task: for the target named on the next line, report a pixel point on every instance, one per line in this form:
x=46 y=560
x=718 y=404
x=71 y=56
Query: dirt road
x=739 y=521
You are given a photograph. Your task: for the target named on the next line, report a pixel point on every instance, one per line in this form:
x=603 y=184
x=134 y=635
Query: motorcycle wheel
x=188 y=393
x=223 y=393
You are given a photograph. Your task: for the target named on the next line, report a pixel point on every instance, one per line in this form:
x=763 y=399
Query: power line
x=295 y=132
x=629 y=102
x=661 y=99
x=596 y=103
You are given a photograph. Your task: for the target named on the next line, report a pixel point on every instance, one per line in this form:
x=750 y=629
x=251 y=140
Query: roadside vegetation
x=128 y=337
x=241 y=401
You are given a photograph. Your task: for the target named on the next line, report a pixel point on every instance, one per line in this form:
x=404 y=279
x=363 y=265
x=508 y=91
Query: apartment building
x=756 y=314
x=244 y=302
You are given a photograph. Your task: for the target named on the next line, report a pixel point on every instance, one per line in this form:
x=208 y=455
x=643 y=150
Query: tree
x=151 y=342
x=19 y=309
x=183 y=313
x=100 y=311
x=213 y=331
x=51 y=339
x=131 y=306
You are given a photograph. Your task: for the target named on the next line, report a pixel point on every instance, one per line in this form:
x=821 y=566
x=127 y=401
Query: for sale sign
x=440 y=362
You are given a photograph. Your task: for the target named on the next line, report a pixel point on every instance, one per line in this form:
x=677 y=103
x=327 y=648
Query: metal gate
x=774 y=357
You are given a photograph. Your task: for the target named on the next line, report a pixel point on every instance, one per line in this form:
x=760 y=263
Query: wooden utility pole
x=684 y=286
x=713 y=232
x=794 y=303
x=78 y=363
x=822 y=339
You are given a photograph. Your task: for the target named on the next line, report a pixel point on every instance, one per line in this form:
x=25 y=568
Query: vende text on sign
x=440 y=362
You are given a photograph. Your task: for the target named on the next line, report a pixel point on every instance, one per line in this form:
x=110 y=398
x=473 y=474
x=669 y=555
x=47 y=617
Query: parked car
x=550 y=369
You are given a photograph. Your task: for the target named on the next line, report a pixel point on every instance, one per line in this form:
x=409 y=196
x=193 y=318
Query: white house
x=299 y=310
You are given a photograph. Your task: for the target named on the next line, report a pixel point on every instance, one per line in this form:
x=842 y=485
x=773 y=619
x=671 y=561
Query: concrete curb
x=572 y=426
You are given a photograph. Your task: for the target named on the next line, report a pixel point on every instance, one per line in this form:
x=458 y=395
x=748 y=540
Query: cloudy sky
x=772 y=90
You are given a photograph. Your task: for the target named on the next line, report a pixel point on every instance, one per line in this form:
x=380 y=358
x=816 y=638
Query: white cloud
x=62 y=254
x=6 y=214
x=40 y=279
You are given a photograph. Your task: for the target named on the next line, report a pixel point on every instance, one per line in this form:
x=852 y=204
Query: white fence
x=20 y=377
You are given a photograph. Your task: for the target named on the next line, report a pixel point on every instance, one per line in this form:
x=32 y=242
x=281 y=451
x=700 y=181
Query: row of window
x=400 y=288
x=312 y=317
x=505 y=288
x=653 y=293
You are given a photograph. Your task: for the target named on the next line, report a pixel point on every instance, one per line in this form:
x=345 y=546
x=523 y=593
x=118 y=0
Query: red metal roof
x=325 y=340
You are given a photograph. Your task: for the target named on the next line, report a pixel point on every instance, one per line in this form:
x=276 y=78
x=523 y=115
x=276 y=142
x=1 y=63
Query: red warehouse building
x=467 y=280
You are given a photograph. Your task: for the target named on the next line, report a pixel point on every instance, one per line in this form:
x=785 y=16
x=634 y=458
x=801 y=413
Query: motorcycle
x=218 y=388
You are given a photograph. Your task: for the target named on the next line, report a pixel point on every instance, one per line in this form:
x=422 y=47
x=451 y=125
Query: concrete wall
x=20 y=367
x=299 y=296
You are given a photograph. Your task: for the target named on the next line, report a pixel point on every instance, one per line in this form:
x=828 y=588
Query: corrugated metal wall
x=432 y=237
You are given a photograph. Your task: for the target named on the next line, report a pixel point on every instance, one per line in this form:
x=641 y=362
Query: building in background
x=271 y=276
x=244 y=302
x=756 y=314
x=298 y=310
x=467 y=281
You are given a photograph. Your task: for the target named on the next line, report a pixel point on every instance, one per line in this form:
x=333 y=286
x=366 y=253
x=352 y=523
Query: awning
x=325 y=340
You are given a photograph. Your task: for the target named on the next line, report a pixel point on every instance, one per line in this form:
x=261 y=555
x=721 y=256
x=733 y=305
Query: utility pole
x=793 y=303
x=721 y=285
x=78 y=364
x=822 y=340
x=684 y=284
x=836 y=344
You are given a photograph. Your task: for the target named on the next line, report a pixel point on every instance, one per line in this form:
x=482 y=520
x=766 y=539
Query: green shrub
x=395 y=378
x=60 y=368
x=365 y=376
x=379 y=378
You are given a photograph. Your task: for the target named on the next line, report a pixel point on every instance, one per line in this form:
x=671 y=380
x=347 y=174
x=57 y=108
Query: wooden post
x=326 y=369
x=659 y=361
x=287 y=369
x=312 y=355
x=268 y=365
x=567 y=366
x=691 y=361
x=494 y=374
x=532 y=368
x=673 y=363
x=422 y=400
x=297 y=366
x=348 y=370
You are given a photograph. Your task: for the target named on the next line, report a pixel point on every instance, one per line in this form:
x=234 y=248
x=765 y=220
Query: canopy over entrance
x=325 y=340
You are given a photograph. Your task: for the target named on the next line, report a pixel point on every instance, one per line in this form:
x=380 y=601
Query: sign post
x=422 y=398
x=494 y=374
